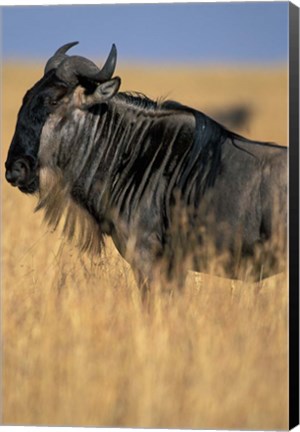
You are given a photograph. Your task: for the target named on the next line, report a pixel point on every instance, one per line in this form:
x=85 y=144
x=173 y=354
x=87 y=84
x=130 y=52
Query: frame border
x=293 y=215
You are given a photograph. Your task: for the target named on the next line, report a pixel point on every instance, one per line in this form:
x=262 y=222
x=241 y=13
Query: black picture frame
x=293 y=215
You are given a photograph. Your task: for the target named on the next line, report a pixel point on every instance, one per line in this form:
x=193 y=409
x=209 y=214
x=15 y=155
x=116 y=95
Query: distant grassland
x=78 y=347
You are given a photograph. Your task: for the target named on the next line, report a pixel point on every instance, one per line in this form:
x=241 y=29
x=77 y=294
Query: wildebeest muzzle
x=20 y=173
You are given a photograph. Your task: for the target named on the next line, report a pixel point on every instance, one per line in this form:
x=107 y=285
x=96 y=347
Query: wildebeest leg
x=180 y=279
x=152 y=283
x=155 y=273
x=142 y=255
x=150 y=287
x=174 y=271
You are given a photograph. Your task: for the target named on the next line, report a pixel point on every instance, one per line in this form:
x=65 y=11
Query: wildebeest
x=162 y=179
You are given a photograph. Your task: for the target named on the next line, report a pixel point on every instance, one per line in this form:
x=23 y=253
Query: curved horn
x=76 y=66
x=63 y=49
x=59 y=56
x=109 y=66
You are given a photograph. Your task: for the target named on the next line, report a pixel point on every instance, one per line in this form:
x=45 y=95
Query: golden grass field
x=78 y=347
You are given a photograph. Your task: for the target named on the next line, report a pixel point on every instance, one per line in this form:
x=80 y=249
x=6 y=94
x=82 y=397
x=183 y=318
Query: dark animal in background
x=234 y=117
x=161 y=179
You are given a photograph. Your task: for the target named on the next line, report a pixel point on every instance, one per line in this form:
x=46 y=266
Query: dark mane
x=138 y=99
x=142 y=101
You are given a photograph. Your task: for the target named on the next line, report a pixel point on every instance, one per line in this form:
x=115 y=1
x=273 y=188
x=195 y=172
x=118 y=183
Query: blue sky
x=164 y=33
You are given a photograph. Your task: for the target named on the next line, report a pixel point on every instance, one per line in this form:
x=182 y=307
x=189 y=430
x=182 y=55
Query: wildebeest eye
x=51 y=102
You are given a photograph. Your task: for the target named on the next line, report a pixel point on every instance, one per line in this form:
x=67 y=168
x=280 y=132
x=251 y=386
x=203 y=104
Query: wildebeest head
x=63 y=75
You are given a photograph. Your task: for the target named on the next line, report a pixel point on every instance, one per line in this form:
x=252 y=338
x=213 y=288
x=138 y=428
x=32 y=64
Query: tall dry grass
x=78 y=346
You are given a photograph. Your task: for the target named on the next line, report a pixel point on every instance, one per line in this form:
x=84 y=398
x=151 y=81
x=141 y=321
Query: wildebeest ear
x=103 y=92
